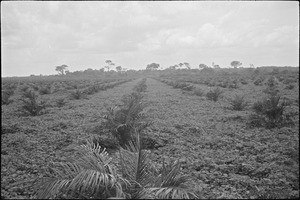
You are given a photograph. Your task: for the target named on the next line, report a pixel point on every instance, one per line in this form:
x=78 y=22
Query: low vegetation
x=199 y=92
x=92 y=175
x=125 y=120
x=238 y=102
x=214 y=94
x=31 y=105
x=5 y=97
x=140 y=138
x=271 y=112
x=77 y=94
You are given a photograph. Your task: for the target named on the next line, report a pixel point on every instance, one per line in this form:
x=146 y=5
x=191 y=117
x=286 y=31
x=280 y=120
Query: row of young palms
x=91 y=173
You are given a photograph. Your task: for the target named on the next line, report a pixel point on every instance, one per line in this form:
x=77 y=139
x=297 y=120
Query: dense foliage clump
x=77 y=94
x=124 y=120
x=5 y=96
x=214 y=94
x=92 y=175
x=271 y=111
x=238 y=102
x=31 y=105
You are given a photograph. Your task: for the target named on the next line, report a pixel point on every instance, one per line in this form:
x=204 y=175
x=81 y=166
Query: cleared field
x=31 y=143
x=222 y=156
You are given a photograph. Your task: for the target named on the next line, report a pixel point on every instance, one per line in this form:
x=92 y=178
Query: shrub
x=233 y=84
x=188 y=87
x=24 y=88
x=44 y=90
x=289 y=80
x=77 y=94
x=207 y=71
x=272 y=82
x=270 y=113
x=141 y=86
x=272 y=86
x=290 y=87
x=177 y=84
x=199 y=92
x=35 y=87
x=5 y=96
x=60 y=102
x=244 y=82
x=103 y=87
x=31 y=104
x=91 y=90
x=258 y=81
x=238 y=102
x=123 y=121
x=214 y=94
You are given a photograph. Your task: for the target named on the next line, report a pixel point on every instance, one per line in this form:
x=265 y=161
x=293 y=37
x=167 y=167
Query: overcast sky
x=36 y=36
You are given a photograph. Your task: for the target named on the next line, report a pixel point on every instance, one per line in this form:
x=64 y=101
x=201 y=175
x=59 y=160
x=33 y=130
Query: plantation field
x=223 y=151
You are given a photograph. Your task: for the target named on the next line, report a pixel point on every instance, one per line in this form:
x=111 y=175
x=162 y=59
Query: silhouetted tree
x=61 y=69
x=152 y=66
x=203 y=66
x=235 y=64
x=187 y=65
x=109 y=64
x=119 y=68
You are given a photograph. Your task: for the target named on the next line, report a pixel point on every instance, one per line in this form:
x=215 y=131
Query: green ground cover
x=223 y=157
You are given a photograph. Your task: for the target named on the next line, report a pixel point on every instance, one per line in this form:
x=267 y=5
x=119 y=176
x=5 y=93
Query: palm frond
x=90 y=175
x=170 y=184
x=136 y=167
x=67 y=170
x=51 y=187
x=169 y=193
x=96 y=183
x=93 y=156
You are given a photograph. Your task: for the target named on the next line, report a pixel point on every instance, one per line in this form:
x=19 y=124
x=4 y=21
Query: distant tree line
x=63 y=69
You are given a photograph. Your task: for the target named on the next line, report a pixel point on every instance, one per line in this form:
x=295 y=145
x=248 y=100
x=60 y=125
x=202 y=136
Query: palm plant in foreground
x=92 y=176
x=89 y=176
x=148 y=182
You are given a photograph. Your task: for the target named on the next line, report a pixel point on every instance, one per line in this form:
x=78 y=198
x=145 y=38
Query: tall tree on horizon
x=61 y=69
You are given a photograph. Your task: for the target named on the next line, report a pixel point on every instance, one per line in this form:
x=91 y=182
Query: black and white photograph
x=150 y=99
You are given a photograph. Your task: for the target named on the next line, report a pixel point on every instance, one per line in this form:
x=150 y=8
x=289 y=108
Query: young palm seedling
x=31 y=104
x=238 y=102
x=91 y=175
x=214 y=94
